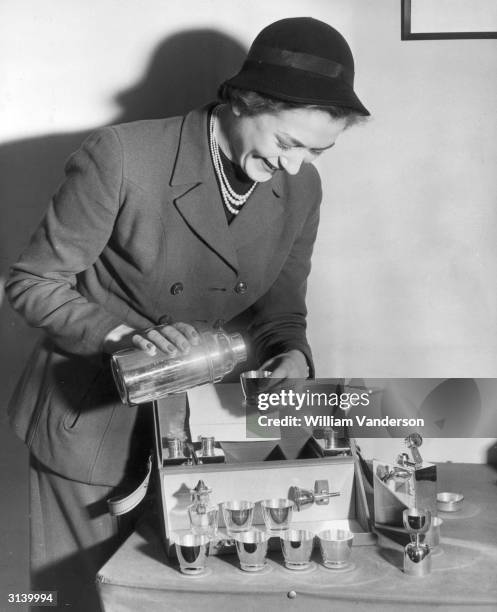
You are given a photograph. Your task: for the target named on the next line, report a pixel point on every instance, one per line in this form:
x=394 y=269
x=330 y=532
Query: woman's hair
x=252 y=103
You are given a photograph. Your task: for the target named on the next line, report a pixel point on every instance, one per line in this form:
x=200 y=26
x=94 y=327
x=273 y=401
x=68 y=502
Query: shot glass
x=336 y=546
x=238 y=515
x=192 y=551
x=297 y=545
x=277 y=513
x=251 y=547
x=204 y=523
x=253 y=383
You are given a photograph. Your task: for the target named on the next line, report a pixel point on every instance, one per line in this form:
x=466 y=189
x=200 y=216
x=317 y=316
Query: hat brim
x=297 y=86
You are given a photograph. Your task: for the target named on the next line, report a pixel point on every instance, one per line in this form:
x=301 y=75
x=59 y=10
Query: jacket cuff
x=101 y=330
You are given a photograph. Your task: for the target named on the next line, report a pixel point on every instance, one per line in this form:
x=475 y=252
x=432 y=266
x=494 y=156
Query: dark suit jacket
x=137 y=234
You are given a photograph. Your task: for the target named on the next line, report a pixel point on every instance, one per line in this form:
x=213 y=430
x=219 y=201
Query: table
x=464 y=570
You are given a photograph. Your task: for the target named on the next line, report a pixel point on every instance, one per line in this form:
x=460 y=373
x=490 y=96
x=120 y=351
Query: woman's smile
x=272 y=169
x=284 y=140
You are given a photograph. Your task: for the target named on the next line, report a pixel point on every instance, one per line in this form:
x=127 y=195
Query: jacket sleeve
x=73 y=233
x=279 y=317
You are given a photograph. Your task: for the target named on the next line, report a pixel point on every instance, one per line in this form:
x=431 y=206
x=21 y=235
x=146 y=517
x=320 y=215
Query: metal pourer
x=413 y=442
x=305 y=497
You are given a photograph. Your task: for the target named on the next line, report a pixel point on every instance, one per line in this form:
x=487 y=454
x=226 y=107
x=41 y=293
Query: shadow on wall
x=184 y=73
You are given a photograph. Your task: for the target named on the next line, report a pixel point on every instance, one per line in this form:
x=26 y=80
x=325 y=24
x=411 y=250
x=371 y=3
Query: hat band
x=301 y=61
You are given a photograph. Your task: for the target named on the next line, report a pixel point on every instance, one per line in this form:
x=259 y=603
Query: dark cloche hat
x=301 y=60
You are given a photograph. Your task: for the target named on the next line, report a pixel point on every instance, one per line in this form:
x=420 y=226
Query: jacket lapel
x=198 y=200
x=260 y=212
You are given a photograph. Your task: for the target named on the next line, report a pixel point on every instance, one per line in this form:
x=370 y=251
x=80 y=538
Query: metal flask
x=142 y=378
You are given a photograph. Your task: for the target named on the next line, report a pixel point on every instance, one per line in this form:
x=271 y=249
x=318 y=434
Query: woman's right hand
x=171 y=339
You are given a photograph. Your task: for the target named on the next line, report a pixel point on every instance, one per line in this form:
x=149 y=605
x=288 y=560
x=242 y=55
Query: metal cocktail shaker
x=142 y=378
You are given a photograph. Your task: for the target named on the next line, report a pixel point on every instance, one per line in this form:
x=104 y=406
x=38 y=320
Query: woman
x=161 y=228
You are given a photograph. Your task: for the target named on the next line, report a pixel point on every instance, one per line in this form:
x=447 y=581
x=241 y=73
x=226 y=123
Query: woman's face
x=263 y=144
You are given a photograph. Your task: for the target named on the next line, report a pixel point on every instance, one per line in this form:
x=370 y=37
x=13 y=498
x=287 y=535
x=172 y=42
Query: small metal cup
x=238 y=515
x=192 y=551
x=432 y=536
x=449 y=502
x=277 y=513
x=207 y=446
x=251 y=547
x=297 y=545
x=416 y=521
x=417 y=559
x=253 y=383
x=330 y=436
x=336 y=547
x=175 y=448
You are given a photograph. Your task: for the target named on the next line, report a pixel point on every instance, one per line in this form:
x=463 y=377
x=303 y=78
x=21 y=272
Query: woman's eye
x=283 y=146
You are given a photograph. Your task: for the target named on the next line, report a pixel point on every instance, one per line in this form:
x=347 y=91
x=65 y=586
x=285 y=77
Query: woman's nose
x=291 y=162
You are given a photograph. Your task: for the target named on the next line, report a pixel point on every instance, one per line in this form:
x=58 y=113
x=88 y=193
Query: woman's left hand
x=292 y=364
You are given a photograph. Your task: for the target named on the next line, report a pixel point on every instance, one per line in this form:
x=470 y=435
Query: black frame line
x=407 y=34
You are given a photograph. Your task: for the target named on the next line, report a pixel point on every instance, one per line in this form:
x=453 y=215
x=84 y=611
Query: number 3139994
x=40 y=598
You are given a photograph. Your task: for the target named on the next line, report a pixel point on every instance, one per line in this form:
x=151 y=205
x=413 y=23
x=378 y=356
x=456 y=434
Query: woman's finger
x=163 y=340
x=189 y=332
x=143 y=344
x=174 y=335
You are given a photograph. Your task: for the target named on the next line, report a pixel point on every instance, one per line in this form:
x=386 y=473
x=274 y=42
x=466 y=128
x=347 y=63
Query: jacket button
x=241 y=287
x=176 y=288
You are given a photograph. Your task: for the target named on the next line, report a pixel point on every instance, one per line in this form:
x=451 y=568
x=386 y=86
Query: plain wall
x=403 y=280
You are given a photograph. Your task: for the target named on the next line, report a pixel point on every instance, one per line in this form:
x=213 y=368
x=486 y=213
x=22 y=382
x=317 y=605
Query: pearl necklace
x=232 y=200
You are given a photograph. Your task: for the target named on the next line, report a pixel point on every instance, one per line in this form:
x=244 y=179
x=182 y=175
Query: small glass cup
x=277 y=513
x=238 y=515
x=192 y=551
x=336 y=547
x=297 y=545
x=251 y=547
x=204 y=522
